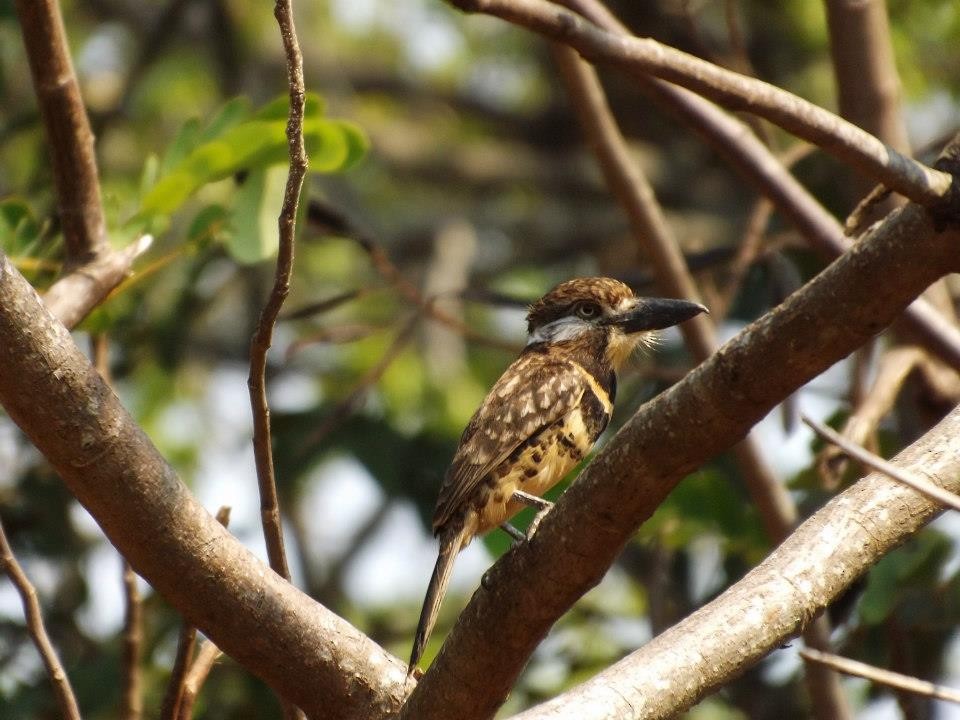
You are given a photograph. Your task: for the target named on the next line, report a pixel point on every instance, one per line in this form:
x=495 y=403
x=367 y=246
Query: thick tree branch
x=68 y=130
x=710 y=410
x=300 y=648
x=775 y=600
x=643 y=57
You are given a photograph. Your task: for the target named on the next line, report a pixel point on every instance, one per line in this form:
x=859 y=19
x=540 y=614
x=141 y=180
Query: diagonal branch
x=773 y=601
x=296 y=645
x=643 y=57
x=924 y=487
x=710 y=410
x=880 y=676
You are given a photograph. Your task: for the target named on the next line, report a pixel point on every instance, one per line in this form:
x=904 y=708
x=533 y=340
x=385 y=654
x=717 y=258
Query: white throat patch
x=565 y=328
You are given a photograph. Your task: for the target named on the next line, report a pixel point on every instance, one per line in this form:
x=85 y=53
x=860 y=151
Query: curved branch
x=644 y=57
x=263 y=336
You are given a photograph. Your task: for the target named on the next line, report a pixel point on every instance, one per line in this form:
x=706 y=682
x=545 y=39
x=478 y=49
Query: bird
x=541 y=417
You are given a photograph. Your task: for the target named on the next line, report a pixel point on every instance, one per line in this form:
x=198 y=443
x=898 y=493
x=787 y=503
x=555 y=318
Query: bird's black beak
x=655 y=314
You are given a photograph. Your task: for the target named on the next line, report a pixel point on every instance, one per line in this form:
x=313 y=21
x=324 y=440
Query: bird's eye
x=587 y=310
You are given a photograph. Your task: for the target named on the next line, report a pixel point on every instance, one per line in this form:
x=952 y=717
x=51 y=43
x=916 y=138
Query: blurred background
x=450 y=186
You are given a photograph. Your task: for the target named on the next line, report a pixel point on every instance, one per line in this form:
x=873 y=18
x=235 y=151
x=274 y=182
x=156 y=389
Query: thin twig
x=174 y=695
x=921 y=485
x=643 y=56
x=131 y=698
x=131 y=678
x=390 y=272
x=883 y=677
x=328 y=219
x=31 y=609
x=68 y=130
x=186 y=643
x=895 y=366
x=197 y=676
x=196 y=673
x=263 y=337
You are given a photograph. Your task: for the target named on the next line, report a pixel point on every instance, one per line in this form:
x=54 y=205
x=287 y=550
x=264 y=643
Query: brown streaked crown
x=561 y=300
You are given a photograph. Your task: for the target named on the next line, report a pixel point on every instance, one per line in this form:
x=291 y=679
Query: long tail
x=450 y=545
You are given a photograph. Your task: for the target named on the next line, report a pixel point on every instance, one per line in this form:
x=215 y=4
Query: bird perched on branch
x=542 y=416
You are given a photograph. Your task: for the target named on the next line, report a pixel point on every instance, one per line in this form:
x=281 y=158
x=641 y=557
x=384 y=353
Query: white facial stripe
x=626 y=304
x=565 y=328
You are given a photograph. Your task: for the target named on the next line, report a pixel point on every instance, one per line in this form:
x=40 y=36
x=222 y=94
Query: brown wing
x=532 y=393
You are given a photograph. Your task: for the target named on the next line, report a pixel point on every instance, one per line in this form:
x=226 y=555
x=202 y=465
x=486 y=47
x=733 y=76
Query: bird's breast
x=539 y=464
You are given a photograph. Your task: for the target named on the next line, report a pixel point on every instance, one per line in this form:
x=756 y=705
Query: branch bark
x=775 y=600
x=868 y=86
x=73 y=296
x=68 y=130
x=710 y=410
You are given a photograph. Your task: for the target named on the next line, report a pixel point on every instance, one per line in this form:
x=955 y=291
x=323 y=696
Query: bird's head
x=605 y=314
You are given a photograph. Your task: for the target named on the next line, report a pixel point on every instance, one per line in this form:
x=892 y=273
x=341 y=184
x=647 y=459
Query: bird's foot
x=516 y=535
x=542 y=506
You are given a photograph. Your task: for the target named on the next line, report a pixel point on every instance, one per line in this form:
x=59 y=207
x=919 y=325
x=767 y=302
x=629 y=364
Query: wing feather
x=530 y=395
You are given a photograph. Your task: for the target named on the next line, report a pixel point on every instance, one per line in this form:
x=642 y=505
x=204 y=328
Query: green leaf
x=185 y=141
x=253 y=144
x=255 y=234
x=149 y=174
x=326 y=145
x=357 y=143
x=19 y=228
x=230 y=115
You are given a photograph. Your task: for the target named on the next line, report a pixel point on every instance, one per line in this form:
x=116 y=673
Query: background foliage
x=447 y=142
